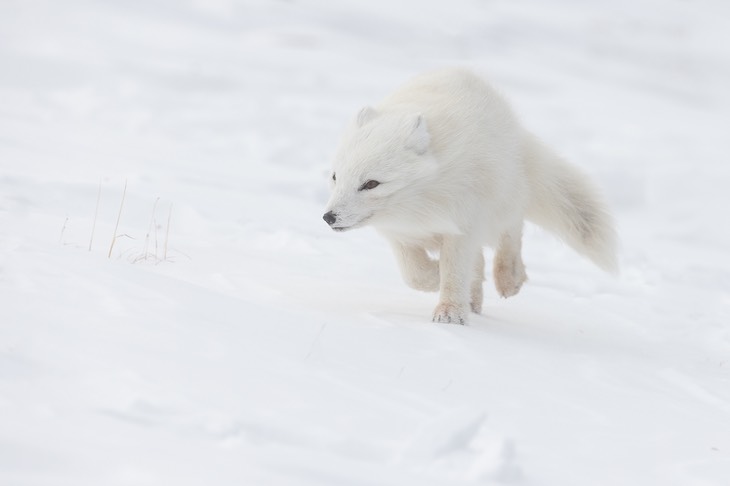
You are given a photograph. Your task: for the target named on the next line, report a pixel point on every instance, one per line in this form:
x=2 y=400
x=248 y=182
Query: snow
x=246 y=343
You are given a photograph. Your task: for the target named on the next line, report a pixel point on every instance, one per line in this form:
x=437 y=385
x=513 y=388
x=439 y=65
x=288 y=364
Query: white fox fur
x=442 y=167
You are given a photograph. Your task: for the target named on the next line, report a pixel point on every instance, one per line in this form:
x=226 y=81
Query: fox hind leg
x=509 y=270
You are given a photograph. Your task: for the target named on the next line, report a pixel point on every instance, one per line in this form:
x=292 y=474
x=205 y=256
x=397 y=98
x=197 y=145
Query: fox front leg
x=457 y=263
x=419 y=270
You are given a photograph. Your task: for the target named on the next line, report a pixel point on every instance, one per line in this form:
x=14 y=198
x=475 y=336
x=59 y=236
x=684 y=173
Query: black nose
x=330 y=218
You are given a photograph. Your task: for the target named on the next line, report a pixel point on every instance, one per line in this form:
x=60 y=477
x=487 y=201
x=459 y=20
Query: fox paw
x=450 y=313
x=509 y=278
x=426 y=280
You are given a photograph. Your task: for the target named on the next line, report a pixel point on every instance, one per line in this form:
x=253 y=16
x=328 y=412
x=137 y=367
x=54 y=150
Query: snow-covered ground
x=233 y=339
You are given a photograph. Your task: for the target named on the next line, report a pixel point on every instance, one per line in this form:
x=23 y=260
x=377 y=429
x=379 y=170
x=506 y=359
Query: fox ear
x=419 y=139
x=366 y=115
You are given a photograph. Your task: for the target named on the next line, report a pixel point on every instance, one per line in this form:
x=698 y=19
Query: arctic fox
x=442 y=167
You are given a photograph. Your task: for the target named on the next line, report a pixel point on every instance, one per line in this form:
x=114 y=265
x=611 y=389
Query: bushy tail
x=565 y=202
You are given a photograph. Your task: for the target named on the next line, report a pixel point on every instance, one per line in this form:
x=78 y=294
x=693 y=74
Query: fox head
x=379 y=163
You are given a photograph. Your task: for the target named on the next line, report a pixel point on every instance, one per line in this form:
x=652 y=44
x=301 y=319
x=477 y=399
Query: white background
x=233 y=339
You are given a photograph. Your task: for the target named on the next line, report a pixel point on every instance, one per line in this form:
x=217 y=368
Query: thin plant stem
x=119 y=217
x=167 y=232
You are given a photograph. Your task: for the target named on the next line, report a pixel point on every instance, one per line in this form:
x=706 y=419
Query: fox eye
x=333 y=177
x=369 y=185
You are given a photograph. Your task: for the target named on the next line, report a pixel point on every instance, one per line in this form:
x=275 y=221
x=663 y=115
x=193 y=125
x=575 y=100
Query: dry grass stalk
x=119 y=217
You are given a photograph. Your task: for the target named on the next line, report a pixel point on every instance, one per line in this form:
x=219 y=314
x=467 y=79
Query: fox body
x=442 y=168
